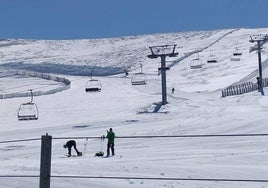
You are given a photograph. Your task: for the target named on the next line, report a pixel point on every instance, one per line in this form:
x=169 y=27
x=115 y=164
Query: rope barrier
x=194 y=136
x=19 y=176
x=145 y=136
x=76 y=137
x=141 y=178
x=161 y=178
x=22 y=140
x=172 y=136
x=144 y=178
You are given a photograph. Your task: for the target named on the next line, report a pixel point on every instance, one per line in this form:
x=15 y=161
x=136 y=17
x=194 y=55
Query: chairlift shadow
x=157 y=107
x=154 y=108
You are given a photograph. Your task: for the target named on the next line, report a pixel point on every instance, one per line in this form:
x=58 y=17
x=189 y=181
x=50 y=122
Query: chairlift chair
x=139 y=79
x=212 y=59
x=236 y=55
x=196 y=63
x=28 y=111
x=93 y=85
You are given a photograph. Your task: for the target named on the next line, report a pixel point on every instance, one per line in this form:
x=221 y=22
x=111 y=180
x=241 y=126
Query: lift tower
x=260 y=39
x=163 y=51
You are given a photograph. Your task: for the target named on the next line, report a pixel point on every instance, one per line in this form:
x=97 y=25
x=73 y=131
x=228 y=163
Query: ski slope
x=196 y=107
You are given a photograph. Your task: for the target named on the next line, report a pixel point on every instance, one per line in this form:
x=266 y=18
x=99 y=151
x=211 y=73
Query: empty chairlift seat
x=212 y=59
x=139 y=79
x=28 y=111
x=236 y=55
x=196 y=64
x=93 y=85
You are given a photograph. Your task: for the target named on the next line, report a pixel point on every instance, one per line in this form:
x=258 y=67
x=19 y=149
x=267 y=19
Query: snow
x=196 y=107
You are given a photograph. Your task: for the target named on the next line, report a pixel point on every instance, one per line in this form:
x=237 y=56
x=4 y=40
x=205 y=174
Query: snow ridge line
x=202 y=49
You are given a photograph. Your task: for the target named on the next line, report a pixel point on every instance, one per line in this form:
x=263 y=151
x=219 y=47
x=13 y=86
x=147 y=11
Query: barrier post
x=45 y=162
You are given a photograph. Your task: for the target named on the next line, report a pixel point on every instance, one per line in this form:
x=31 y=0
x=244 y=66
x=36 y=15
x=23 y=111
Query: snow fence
x=66 y=83
x=243 y=88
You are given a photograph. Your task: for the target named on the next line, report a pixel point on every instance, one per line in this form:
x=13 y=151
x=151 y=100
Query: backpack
x=99 y=154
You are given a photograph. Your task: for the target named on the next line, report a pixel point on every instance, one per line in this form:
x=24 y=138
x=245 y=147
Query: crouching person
x=69 y=145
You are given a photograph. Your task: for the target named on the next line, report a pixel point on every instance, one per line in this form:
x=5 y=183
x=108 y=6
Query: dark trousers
x=110 y=145
x=70 y=147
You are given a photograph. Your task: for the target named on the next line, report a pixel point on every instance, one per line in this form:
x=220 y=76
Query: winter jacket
x=110 y=136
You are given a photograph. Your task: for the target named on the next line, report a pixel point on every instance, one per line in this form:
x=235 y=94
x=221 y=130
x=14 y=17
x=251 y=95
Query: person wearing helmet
x=69 y=145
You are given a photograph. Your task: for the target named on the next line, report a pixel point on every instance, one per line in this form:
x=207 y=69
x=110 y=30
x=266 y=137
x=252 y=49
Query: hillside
x=196 y=107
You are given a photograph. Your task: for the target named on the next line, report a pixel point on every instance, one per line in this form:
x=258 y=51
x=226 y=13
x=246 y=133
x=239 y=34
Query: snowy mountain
x=195 y=108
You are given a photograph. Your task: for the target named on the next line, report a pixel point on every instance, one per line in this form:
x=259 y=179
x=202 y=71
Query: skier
x=69 y=145
x=258 y=83
x=173 y=90
x=126 y=71
x=110 y=144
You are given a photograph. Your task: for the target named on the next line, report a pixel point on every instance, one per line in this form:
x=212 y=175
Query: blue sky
x=78 y=19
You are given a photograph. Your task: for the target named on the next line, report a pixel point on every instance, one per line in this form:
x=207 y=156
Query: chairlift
x=139 y=78
x=196 y=63
x=212 y=58
x=237 y=53
x=28 y=111
x=93 y=85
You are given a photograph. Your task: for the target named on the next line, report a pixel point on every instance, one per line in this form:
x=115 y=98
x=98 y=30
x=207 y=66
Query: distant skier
x=173 y=90
x=110 y=144
x=258 y=83
x=69 y=145
x=126 y=72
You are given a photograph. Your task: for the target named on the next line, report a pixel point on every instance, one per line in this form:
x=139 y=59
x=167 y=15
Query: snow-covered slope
x=195 y=108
